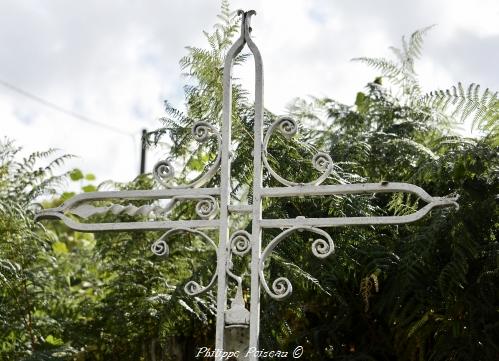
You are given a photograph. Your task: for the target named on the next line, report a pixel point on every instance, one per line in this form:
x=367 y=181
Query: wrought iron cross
x=215 y=214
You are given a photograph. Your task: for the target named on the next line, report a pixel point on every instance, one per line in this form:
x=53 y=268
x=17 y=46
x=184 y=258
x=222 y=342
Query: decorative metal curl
x=322 y=161
x=321 y=248
x=201 y=131
x=193 y=288
x=282 y=288
x=240 y=243
x=288 y=128
x=207 y=208
x=163 y=170
x=160 y=248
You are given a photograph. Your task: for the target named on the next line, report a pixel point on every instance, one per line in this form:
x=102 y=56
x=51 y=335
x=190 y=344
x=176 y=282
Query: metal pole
x=143 y=151
x=257 y=197
x=225 y=193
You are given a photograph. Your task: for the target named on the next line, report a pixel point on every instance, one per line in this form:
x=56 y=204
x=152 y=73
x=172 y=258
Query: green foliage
x=28 y=260
x=145 y=293
x=426 y=291
x=402 y=72
x=456 y=103
x=407 y=292
x=484 y=105
x=66 y=295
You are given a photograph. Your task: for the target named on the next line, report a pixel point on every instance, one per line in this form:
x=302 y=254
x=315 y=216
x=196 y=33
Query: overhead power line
x=63 y=110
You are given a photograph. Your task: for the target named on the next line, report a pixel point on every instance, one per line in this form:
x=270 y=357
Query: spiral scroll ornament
x=321 y=248
x=207 y=208
x=322 y=162
x=288 y=128
x=201 y=131
x=164 y=172
x=282 y=288
x=240 y=243
x=160 y=248
x=192 y=288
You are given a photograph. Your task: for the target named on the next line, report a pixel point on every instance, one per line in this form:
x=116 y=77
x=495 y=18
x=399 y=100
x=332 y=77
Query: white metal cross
x=214 y=207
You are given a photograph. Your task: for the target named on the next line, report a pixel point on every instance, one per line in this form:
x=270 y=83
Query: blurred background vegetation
x=424 y=291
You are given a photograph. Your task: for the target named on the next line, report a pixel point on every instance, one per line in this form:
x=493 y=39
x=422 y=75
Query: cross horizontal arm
x=310 y=190
x=359 y=188
x=80 y=205
x=140 y=194
x=131 y=226
x=353 y=221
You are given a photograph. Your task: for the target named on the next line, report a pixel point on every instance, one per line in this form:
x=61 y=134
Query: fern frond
x=367 y=285
x=387 y=67
x=463 y=103
x=415 y=46
x=420 y=148
x=402 y=72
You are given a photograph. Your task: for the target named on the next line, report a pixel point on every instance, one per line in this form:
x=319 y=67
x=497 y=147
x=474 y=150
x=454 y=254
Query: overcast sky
x=115 y=61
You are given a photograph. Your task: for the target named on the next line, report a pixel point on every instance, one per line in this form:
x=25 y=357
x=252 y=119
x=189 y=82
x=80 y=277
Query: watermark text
x=252 y=351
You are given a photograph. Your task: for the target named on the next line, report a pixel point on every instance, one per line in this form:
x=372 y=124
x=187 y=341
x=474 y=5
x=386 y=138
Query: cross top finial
x=246 y=19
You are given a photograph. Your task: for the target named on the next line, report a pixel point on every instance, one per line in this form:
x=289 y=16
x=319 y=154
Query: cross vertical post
x=257 y=189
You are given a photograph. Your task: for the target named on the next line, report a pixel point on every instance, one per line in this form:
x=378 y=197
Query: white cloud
x=116 y=61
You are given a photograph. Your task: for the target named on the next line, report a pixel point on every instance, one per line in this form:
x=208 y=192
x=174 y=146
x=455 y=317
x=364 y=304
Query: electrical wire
x=63 y=110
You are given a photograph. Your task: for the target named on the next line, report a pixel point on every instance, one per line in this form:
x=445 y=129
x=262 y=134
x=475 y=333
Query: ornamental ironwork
x=214 y=208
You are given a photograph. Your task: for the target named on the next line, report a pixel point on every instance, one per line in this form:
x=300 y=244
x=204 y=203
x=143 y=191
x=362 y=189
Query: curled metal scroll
x=239 y=244
x=160 y=248
x=321 y=248
x=163 y=170
x=288 y=128
x=207 y=208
